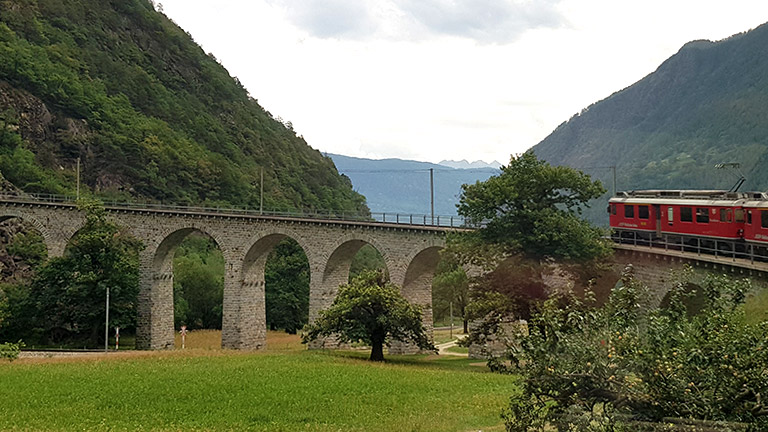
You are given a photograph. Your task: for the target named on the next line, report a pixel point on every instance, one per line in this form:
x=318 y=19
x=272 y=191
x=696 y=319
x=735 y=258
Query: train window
x=670 y=215
x=749 y=217
x=702 y=215
x=739 y=213
x=686 y=214
x=629 y=211
x=613 y=209
x=764 y=218
x=642 y=212
x=726 y=215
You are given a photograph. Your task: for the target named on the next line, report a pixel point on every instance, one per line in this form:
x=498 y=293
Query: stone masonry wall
x=245 y=241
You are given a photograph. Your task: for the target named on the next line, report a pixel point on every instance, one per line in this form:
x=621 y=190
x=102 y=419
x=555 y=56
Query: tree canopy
x=533 y=208
x=66 y=300
x=371 y=310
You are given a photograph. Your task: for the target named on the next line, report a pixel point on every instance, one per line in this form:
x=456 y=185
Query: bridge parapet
x=656 y=267
x=383 y=218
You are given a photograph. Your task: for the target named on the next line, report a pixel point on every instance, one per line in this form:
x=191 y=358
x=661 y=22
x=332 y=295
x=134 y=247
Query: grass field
x=285 y=388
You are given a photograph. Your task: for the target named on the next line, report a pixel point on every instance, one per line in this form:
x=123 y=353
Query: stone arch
x=343 y=250
x=155 y=328
x=260 y=245
x=162 y=258
x=421 y=268
x=55 y=246
x=332 y=271
x=245 y=324
x=336 y=267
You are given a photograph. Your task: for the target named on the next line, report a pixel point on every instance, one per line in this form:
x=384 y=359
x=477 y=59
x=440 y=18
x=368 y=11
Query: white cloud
x=330 y=18
x=445 y=79
x=485 y=21
x=498 y=21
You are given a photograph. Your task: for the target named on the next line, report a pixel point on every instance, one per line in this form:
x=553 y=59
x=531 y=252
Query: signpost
x=117 y=338
x=183 y=333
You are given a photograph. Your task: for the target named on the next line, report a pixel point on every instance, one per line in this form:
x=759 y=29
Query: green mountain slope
x=150 y=114
x=704 y=105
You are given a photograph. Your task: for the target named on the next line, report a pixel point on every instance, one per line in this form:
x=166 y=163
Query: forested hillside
x=148 y=112
x=703 y=106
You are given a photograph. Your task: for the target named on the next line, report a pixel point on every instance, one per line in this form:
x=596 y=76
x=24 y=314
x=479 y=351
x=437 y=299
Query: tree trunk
x=466 y=327
x=377 y=348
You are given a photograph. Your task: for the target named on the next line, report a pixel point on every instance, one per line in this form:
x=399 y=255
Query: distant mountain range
x=403 y=186
x=464 y=164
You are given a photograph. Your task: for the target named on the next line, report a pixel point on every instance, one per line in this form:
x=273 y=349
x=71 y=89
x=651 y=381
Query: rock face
x=50 y=134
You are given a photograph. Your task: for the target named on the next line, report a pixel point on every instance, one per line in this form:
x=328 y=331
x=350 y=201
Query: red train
x=719 y=222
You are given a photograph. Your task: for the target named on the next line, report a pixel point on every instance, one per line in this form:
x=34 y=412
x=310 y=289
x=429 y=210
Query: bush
x=10 y=351
x=583 y=365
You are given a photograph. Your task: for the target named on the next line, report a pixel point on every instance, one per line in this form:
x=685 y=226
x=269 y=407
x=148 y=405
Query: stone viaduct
x=245 y=239
x=656 y=267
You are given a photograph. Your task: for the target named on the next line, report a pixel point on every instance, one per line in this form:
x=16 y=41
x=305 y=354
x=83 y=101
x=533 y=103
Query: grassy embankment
x=285 y=388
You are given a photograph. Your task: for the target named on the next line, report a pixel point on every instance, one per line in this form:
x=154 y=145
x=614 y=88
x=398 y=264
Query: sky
x=431 y=80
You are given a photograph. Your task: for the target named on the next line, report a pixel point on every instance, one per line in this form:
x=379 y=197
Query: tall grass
x=285 y=389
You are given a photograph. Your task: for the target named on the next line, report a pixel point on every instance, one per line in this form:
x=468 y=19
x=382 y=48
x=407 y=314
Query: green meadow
x=285 y=388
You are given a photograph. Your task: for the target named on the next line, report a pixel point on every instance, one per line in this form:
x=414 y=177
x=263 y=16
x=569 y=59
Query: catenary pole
x=432 y=193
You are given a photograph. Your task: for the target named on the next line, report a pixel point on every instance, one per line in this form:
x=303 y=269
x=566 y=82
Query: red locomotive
x=719 y=222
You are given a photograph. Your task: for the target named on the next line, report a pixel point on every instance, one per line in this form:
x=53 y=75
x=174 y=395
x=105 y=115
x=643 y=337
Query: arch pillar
x=416 y=283
x=154 y=325
x=244 y=322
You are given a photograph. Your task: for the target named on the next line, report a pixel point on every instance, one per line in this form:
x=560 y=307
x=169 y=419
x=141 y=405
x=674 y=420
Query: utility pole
x=78 y=177
x=432 y=193
x=261 y=192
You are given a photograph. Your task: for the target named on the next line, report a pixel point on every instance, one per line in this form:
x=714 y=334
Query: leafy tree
x=533 y=209
x=198 y=279
x=450 y=289
x=29 y=247
x=286 y=274
x=366 y=259
x=371 y=310
x=68 y=293
x=526 y=216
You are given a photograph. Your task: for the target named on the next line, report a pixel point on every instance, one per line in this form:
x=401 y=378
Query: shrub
x=582 y=365
x=10 y=351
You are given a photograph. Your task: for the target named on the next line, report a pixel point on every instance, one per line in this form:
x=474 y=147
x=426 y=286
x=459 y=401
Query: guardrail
x=716 y=248
x=383 y=218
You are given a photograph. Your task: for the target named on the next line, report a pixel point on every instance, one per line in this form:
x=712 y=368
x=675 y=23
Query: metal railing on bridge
x=332 y=215
x=717 y=248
